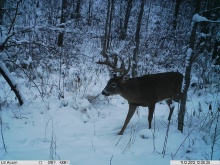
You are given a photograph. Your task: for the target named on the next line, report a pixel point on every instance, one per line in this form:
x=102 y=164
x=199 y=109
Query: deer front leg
x=131 y=111
x=151 y=113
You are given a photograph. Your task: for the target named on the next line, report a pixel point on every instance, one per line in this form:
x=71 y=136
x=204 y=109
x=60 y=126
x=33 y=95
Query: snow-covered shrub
x=83 y=106
x=73 y=79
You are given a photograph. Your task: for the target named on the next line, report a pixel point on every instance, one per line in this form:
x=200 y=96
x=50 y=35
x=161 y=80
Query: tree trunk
x=2 y=3
x=137 y=40
x=176 y=12
x=6 y=74
x=127 y=15
x=216 y=52
x=62 y=21
x=77 y=11
x=108 y=22
x=190 y=59
x=90 y=12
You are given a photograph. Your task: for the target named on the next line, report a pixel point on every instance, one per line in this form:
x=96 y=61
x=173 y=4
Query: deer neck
x=126 y=91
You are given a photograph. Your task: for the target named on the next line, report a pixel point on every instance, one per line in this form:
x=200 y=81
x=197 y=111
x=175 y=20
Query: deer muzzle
x=105 y=93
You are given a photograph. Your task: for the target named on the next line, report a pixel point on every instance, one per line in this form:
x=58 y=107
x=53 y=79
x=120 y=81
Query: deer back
x=151 y=88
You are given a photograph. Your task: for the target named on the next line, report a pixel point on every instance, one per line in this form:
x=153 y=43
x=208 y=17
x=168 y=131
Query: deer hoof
x=120 y=133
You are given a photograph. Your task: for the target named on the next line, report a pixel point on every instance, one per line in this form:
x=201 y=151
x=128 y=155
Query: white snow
x=198 y=18
x=83 y=126
x=86 y=132
x=28 y=61
x=188 y=55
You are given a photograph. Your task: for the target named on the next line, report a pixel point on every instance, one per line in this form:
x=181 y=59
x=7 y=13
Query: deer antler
x=113 y=65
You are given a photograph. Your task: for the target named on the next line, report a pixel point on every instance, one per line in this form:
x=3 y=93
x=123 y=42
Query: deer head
x=114 y=85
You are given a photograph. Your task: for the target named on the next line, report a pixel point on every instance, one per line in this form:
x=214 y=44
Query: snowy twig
x=53 y=144
x=132 y=138
x=206 y=11
x=187 y=137
x=207 y=125
x=1 y=123
x=111 y=159
x=153 y=135
x=46 y=128
x=166 y=138
x=214 y=140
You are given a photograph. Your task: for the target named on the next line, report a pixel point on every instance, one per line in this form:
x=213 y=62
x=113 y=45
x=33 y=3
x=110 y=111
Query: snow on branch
x=199 y=18
x=188 y=56
x=11 y=82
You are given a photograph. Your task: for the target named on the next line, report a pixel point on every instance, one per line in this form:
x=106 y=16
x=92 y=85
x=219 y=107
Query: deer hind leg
x=131 y=111
x=150 y=114
x=171 y=106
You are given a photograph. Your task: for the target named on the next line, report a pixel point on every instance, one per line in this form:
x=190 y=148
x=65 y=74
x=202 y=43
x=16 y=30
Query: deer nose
x=105 y=93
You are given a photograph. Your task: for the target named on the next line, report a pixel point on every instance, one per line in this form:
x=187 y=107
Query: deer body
x=143 y=91
x=146 y=91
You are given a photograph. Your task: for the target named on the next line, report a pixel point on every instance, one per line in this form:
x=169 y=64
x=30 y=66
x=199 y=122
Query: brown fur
x=146 y=91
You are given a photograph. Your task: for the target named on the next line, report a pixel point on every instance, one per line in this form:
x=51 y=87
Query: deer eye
x=114 y=85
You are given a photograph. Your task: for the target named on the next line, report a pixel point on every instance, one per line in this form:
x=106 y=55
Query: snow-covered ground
x=86 y=132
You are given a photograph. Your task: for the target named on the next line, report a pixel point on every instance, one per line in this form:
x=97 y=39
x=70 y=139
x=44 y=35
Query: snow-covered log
x=11 y=82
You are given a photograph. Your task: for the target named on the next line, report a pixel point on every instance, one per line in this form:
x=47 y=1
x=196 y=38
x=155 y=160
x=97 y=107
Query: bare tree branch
x=16 y=13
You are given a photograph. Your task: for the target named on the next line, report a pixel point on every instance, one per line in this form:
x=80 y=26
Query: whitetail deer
x=143 y=91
